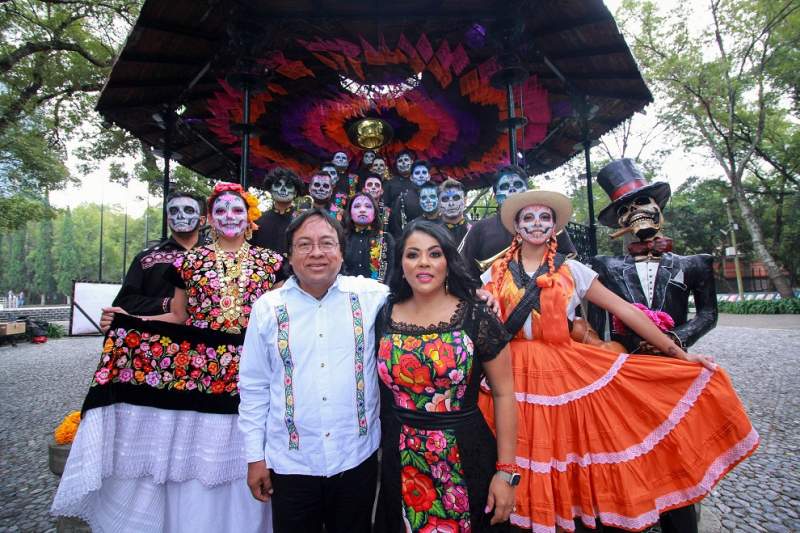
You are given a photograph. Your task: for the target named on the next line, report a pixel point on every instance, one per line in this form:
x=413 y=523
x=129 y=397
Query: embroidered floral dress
x=438 y=452
x=369 y=253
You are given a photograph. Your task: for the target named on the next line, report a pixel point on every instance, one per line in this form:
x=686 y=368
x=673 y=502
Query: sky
x=95 y=187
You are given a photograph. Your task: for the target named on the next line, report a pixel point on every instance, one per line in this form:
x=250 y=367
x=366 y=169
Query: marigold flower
x=66 y=430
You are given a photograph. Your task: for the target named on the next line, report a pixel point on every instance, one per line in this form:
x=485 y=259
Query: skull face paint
x=368 y=158
x=452 y=203
x=403 y=164
x=378 y=166
x=507 y=185
x=642 y=214
x=183 y=214
x=340 y=161
x=535 y=224
x=330 y=170
x=321 y=187
x=374 y=188
x=283 y=191
x=229 y=215
x=428 y=200
x=362 y=211
x=420 y=175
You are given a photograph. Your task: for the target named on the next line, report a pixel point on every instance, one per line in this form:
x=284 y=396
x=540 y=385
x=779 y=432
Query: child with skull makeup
x=284 y=186
x=369 y=251
x=144 y=290
x=587 y=416
x=407 y=205
x=176 y=374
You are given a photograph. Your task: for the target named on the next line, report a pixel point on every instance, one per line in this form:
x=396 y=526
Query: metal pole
x=169 y=119
x=100 y=263
x=733 y=227
x=146 y=229
x=512 y=130
x=125 y=243
x=245 y=137
x=587 y=146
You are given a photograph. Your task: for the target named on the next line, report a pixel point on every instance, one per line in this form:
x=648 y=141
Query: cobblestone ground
x=41 y=383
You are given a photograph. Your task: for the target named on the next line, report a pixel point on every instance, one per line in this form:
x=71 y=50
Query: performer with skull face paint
x=372 y=184
x=429 y=202
x=603 y=436
x=487 y=237
x=379 y=167
x=369 y=251
x=401 y=181
x=144 y=290
x=367 y=159
x=406 y=206
x=346 y=182
x=284 y=186
x=321 y=191
x=452 y=204
x=176 y=375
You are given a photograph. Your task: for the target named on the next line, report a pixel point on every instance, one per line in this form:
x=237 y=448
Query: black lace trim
x=456 y=322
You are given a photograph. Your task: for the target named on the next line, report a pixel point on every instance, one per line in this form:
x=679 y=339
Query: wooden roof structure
x=180 y=52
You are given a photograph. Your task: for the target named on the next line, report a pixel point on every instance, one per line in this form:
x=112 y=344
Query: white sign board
x=88 y=299
x=730 y=251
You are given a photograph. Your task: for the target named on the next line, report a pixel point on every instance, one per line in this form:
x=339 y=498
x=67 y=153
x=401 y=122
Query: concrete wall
x=55 y=313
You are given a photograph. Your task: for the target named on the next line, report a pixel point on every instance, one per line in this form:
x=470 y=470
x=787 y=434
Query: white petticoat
x=134 y=468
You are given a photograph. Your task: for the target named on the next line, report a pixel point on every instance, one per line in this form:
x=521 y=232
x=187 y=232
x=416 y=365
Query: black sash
x=430 y=420
x=530 y=300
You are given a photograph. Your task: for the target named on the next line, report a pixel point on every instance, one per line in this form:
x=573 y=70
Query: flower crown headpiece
x=253 y=212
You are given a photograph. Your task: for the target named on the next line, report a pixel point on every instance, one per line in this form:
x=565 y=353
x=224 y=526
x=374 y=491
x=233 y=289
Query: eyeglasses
x=305 y=247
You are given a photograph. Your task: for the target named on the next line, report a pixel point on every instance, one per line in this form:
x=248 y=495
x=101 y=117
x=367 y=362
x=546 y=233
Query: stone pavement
x=41 y=383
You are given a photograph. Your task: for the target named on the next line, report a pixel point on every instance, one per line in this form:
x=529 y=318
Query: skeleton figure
x=452 y=203
x=183 y=214
x=283 y=191
x=429 y=200
x=420 y=174
x=340 y=161
x=378 y=167
x=403 y=163
x=642 y=215
x=321 y=188
x=509 y=183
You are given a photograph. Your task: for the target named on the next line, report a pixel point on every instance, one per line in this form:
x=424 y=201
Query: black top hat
x=623 y=182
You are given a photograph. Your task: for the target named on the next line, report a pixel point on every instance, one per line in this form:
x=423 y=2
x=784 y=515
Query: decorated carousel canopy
x=325 y=75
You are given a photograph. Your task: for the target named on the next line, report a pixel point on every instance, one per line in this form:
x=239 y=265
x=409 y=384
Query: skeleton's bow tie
x=641 y=250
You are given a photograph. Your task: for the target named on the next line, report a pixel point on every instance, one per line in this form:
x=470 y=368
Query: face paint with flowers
x=229 y=215
x=362 y=211
x=428 y=200
x=535 y=224
x=452 y=204
x=507 y=185
x=320 y=188
x=374 y=188
x=183 y=214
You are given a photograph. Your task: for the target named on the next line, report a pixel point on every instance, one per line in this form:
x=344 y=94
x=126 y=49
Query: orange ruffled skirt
x=618 y=437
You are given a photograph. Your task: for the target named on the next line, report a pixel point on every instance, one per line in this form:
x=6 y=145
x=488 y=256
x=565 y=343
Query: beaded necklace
x=233 y=275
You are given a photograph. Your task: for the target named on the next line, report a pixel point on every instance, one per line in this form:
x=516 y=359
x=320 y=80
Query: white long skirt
x=144 y=469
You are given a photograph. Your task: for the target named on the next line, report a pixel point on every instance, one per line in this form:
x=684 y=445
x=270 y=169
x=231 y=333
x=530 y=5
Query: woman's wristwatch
x=509 y=472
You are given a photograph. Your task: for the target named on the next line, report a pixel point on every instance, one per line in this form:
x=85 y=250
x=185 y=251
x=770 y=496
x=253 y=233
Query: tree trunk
x=42 y=300
x=779 y=279
x=776 y=245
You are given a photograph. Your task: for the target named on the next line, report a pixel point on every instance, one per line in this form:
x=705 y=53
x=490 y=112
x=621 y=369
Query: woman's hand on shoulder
x=489 y=299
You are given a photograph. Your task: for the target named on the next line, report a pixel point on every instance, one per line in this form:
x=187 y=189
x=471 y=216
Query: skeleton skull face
x=642 y=214
x=321 y=187
x=229 y=215
x=362 y=211
x=420 y=175
x=369 y=157
x=283 y=190
x=330 y=170
x=340 y=161
x=403 y=164
x=428 y=200
x=452 y=204
x=507 y=185
x=378 y=166
x=374 y=188
x=183 y=214
x=535 y=224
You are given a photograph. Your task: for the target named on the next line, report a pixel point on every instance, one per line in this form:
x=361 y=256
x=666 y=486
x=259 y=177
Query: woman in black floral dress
x=442 y=468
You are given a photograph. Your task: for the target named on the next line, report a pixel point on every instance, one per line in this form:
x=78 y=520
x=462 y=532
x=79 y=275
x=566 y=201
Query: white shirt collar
x=292 y=283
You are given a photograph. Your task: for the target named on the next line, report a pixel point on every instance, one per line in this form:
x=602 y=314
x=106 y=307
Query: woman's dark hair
x=279 y=173
x=315 y=212
x=420 y=163
x=196 y=198
x=347 y=222
x=460 y=282
x=365 y=177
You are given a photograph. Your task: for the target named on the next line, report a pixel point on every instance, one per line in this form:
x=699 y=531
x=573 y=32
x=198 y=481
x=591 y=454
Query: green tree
x=41 y=259
x=712 y=82
x=17 y=273
x=67 y=261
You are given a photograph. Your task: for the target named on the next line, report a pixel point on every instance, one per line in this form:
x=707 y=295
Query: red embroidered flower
x=213 y=368
x=417 y=489
x=410 y=373
x=181 y=360
x=453 y=456
x=385 y=350
x=440 y=525
x=441 y=355
x=156 y=349
x=132 y=339
x=218 y=387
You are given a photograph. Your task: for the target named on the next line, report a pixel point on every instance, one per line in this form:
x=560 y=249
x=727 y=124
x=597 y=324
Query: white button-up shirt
x=307 y=382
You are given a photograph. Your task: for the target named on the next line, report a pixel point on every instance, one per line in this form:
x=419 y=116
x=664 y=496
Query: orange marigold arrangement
x=66 y=430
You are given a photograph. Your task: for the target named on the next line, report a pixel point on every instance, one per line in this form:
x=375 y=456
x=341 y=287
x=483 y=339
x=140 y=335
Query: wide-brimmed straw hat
x=558 y=202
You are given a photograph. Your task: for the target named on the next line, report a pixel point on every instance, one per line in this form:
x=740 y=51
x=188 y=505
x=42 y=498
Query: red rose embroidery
x=441 y=355
x=410 y=373
x=132 y=339
x=417 y=489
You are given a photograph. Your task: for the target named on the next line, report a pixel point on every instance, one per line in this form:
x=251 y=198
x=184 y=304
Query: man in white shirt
x=309 y=389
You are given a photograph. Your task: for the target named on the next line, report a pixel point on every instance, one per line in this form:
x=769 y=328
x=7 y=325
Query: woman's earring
x=445 y=285
x=248 y=233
